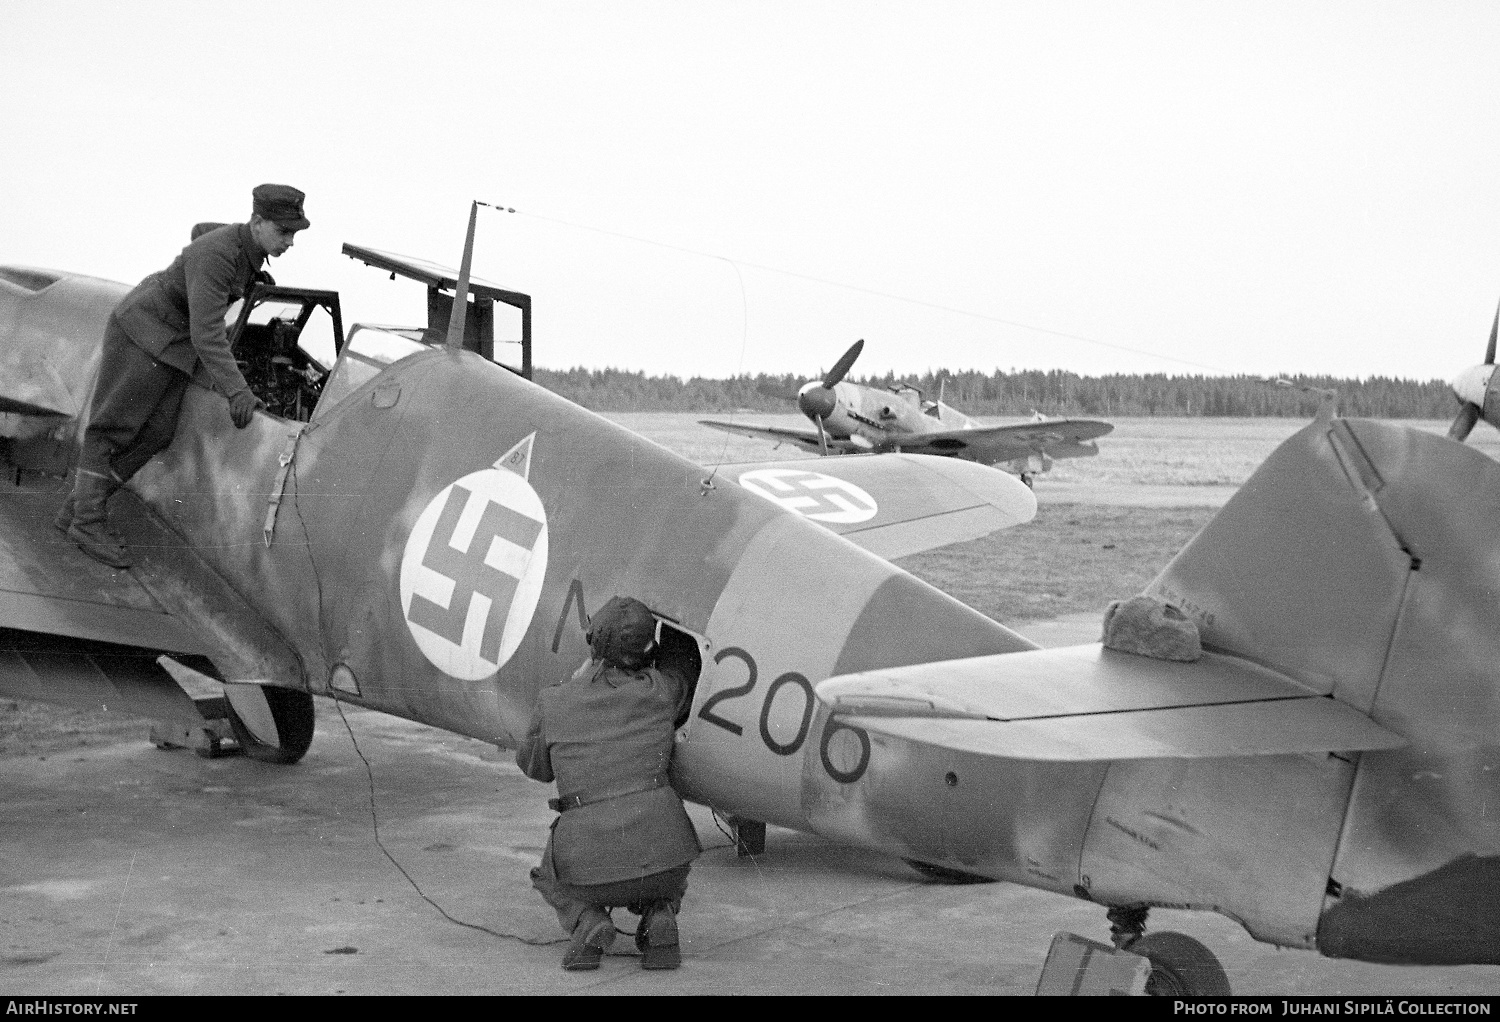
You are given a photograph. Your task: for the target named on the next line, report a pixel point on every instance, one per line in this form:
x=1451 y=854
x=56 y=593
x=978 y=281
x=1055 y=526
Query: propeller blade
x=1467 y=416
x=842 y=366
x=822 y=436
x=1489 y=352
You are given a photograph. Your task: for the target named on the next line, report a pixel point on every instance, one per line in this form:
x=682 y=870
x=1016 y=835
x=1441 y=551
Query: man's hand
x=241 y=408
x=264 y=277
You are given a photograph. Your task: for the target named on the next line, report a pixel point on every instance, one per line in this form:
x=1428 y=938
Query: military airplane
x=853 y=418
x=1478 y=391
x=1313 y=754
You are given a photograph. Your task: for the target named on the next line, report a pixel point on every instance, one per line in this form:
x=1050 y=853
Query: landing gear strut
x=1180 y=965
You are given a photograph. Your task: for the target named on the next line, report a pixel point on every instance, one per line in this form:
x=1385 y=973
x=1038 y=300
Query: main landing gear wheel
x=1180 y=966
x=283 y=719
x=944 y=875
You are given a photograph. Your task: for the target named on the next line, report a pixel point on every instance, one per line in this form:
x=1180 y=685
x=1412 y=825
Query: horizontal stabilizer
x=893 y=504
x=1088 y=703
x=1280 y=727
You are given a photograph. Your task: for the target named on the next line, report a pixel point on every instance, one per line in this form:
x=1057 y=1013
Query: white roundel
x=812 y=494
x=472 y=572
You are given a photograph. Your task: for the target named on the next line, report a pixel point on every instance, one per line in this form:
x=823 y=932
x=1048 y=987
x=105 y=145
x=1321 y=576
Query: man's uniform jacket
x=177 y=315
x=606 y=736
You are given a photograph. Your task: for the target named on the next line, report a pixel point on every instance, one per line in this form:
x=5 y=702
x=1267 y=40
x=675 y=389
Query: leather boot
x=63 y=520
x=592 y=936
x=89 y=529
x=656 y=937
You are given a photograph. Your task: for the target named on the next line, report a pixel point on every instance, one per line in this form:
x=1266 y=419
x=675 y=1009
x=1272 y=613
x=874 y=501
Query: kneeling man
x=622 y=837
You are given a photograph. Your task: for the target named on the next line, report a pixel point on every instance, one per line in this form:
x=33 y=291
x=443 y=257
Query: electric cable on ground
x=375 y=828
x=370 y=773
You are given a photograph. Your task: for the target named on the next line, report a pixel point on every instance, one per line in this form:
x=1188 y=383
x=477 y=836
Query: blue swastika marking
x=469 y=573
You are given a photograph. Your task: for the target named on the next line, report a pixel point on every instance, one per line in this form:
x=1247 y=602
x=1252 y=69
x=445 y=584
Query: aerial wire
x=739 y=369
x=862 y=290
x=708 y=484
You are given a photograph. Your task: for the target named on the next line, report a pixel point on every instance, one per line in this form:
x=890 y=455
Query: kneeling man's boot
x=592 y=936
x=657 y=937
x=89 y=529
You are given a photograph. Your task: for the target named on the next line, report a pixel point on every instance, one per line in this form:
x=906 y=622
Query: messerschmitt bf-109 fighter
x=1298 y=731
x=852 y=418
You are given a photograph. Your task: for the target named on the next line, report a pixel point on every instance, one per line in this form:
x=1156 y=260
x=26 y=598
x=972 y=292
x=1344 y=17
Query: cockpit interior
x=291 y=346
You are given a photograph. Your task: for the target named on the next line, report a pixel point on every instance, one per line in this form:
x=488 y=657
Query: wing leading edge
x=153 y=641
x=805 y=439
x=893 y=505
x=1056 y=438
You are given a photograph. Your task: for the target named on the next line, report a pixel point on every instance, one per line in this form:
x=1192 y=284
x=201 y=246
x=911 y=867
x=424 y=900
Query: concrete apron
x=127 y=870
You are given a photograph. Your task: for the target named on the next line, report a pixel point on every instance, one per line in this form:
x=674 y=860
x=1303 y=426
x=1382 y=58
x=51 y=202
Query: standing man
x=156 y=337
x=622 y=837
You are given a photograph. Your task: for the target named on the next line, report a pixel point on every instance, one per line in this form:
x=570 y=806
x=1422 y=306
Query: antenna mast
x=461 y=292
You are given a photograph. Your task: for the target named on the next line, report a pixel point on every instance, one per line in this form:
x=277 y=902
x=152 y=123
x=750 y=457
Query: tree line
x=1020 y=392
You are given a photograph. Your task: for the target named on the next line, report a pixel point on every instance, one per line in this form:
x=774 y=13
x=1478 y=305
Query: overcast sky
x=1210 y=187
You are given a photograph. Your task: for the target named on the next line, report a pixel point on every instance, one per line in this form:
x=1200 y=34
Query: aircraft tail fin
x=1358 y=550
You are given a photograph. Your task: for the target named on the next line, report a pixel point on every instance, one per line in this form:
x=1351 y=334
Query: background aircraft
x=430 y=540
x=1478 y=391
x=852 y=418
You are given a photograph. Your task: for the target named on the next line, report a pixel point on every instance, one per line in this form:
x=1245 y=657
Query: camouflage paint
x=1361 y=560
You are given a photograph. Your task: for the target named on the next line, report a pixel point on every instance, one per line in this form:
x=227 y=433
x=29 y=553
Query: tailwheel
x=945 y=875
x=1180 y=966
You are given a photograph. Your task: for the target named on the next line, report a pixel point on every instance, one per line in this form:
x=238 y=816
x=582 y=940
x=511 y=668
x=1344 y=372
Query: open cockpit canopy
x=296 y=371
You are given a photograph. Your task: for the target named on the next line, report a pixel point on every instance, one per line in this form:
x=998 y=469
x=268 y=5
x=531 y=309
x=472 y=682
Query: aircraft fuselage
x=431 y=545
x=773 y=604
x=881 y=416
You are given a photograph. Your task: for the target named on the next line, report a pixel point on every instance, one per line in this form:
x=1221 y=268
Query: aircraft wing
x=893 y=504
x=803 y=438
x=1056 y=438
x=76 y=632
x=1085 y=703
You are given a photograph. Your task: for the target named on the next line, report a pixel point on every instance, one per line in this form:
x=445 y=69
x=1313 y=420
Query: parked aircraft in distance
x=1301 y=731
x=1478 y=391
x=852 y=418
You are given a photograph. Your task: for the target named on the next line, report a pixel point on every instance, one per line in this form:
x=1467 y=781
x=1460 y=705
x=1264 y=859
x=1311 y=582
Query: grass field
x=1140 y=451
x=1073 y=557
